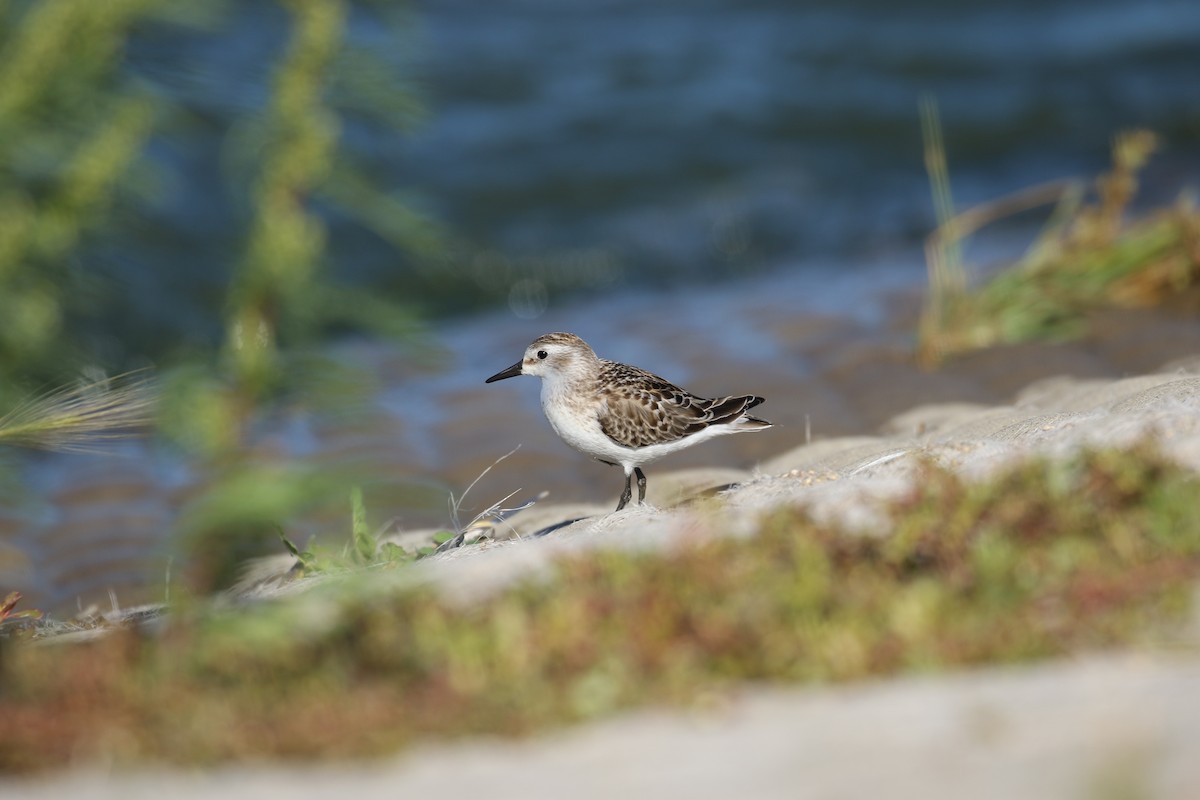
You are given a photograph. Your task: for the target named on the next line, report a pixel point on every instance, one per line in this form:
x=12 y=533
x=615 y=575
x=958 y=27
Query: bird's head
x=554 y=355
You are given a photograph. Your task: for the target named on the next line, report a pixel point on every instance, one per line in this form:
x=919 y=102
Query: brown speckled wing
x=642 y=409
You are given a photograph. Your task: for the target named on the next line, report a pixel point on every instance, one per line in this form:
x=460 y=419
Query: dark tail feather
x=730 y=409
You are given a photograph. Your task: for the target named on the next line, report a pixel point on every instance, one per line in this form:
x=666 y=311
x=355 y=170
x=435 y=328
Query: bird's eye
x=542 y=354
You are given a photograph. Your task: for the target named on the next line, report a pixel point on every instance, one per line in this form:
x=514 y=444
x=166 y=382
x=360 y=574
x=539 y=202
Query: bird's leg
x=641 y=480
x=625 y=495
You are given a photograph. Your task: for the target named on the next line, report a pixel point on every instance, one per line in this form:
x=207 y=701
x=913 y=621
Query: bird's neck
x=568 y=383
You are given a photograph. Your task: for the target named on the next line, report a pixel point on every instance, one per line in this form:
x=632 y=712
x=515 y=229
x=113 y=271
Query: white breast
x=578 y=424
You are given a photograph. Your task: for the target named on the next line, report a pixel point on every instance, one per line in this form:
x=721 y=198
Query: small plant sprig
x=483 y=522
x=10 y=618
x=362 y=550
x=365 y=548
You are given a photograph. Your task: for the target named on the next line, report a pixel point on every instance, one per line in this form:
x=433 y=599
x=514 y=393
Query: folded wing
x=641 y=409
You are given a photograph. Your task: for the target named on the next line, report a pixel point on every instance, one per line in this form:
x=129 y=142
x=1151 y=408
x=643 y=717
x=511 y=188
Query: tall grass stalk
x=82 y=417
x=947 y=281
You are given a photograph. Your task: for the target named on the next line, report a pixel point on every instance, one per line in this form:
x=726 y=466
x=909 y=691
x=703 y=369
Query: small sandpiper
x=622 y=415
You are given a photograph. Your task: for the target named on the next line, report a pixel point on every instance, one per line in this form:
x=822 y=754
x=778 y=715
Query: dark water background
x=700 y=137
x=577 y=146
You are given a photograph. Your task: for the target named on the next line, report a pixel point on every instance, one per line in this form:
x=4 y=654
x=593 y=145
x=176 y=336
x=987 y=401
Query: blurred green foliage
x=365 y=547
x=1091 y=256
x=70 y=128
x=116 y=176
x=83 y=175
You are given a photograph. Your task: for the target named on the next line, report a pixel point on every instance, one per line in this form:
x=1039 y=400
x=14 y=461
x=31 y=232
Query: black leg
x=641 y=478
x=625 y=495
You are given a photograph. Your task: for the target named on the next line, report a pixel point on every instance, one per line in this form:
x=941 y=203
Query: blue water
x=664 y=130
x=586 y=147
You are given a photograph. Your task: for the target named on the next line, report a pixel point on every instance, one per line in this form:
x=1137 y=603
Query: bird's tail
x=731 y=411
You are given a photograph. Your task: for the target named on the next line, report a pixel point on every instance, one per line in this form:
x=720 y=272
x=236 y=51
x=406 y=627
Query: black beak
x=511 y=372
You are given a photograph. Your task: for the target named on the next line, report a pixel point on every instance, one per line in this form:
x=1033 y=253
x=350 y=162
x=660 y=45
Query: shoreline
x=101 y=523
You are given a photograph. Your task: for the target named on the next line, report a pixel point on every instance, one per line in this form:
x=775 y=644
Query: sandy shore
x=1125 y=723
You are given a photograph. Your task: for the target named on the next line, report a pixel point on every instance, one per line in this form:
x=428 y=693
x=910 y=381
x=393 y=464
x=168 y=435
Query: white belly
x=581 y=430
x=579 y=426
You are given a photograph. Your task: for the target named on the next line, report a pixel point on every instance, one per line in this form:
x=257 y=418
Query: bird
x=623 y=415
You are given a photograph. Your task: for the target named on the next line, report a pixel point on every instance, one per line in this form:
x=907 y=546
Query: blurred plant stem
x=272 y=290
x=280 y=298
x=947 y=282
x=278 y=304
